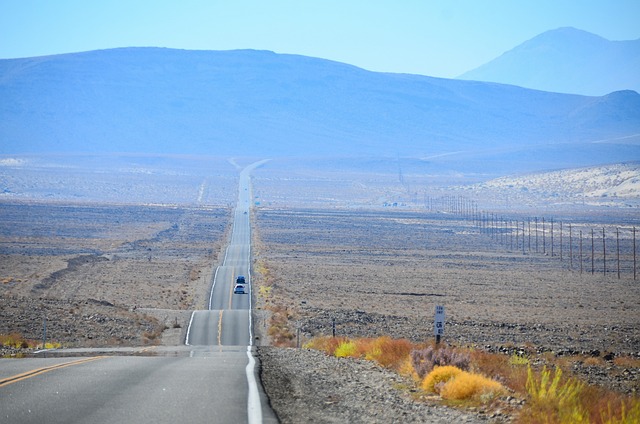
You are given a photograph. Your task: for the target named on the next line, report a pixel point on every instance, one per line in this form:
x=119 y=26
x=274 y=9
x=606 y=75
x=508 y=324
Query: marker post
x=438 y=327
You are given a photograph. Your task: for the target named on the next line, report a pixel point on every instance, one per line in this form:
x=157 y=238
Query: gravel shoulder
x=307 y=386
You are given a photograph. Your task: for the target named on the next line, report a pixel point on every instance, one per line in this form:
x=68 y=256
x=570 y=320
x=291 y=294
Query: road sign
x=438 y=328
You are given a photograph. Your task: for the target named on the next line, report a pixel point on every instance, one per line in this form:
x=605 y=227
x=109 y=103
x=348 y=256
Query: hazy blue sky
x=439 y=38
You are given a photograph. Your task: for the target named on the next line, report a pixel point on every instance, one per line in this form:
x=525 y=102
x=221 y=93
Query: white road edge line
x=254 y=407
x=186 y=339
x=215 y=278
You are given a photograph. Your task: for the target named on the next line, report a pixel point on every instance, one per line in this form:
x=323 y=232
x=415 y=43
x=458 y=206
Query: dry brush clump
x=471 y=377
x=410 y=360
x=469 y=385
x=424 y=360
x=280 y=328
x=435 y=379
x=452 y=383
x=509 y=370
x=15 y=340
x=19 y=342
x=327 y=345
x=388 y=352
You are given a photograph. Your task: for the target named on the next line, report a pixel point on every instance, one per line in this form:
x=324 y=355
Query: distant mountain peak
x=566 y=60
x=570 y=32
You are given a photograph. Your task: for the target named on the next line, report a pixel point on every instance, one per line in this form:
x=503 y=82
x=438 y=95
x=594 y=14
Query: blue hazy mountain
x=566 y=60
x=258 y=103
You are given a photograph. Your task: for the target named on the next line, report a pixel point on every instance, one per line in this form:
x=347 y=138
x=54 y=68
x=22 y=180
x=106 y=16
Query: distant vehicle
x=239 y=289
x=240 y=280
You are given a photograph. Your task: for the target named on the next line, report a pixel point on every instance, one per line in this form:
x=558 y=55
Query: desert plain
x=350 y=255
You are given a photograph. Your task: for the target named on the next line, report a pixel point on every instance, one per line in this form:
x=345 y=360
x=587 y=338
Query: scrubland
x=366 y=275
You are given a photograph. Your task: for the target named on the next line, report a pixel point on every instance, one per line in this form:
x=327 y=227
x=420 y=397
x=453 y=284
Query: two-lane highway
x=211 y=379
x=227 y=321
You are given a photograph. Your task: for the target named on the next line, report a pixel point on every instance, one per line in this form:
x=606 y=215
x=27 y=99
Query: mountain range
x=262 y=104
x=566 y=60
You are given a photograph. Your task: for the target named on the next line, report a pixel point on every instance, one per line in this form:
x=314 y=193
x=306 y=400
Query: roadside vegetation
x=528 y=390
x=280 y=329
x=15 y=341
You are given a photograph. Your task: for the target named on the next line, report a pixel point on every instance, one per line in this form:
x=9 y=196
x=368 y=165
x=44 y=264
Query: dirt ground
x=105 y=275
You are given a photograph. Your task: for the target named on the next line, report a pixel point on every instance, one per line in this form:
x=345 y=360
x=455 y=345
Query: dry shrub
x=439 y=376
x=384 y=350
x=16 y=340
x=325 y=344
x=518 y=360
x=621 y=411
x=511 y=373
x=601 y=406
x=627 y=362
x=388 y=352
x=279 y=326
x=593 y=361
x=553 y=399
x=489 y=363
x=280 y=335
x=425 y=360
x=468 y=385
x=194 y=274
x=406 y=369
x=363 y=346
x=346 y=349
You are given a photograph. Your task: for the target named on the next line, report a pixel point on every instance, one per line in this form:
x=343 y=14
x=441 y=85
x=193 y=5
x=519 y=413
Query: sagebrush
x=424 y=360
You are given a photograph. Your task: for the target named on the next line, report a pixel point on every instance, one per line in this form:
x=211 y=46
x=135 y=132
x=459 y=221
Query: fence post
x=536 y=229
x=618 y=249
x=571 y=247
x=552 y=237
x=604 y=254
x=593 y=261
x=580 y=251
x=544 y=238
x=560 y=241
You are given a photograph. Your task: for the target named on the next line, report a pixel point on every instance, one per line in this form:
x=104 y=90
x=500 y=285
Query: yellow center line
x=39 y=371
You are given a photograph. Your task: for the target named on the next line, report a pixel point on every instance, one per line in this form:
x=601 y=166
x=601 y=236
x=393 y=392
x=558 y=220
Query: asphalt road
x=212 y=379
x=227 y=320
